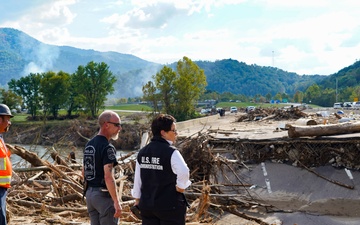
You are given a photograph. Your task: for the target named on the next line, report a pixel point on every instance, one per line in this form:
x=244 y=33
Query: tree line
x=314 y=94
x=173 y=91
x=86 y=89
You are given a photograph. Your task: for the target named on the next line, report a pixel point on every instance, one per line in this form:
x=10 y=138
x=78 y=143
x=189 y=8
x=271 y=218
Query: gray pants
x=100 y=207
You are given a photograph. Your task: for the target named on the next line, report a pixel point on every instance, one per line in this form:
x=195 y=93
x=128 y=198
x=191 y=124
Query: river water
x=45 y=151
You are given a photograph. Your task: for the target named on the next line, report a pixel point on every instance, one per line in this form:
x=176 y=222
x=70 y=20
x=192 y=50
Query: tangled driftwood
x=56 y=190
x=52 y=192
x=272 y=113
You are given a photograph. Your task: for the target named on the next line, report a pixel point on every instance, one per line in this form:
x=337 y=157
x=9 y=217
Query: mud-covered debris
x=272 y=113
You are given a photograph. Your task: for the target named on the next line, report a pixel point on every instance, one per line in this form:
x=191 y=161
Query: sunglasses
x=115 y=124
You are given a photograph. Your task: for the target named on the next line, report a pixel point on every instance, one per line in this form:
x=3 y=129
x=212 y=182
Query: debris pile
x=218 y=167
x=215 y=179
x=53 y=192
x=272 y=113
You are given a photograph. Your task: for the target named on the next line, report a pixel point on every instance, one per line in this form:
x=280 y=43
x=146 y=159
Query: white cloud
x=306 y=36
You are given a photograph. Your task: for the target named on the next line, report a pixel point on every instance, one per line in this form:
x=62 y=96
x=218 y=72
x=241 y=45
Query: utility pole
x=272 y=58
x=336 y=95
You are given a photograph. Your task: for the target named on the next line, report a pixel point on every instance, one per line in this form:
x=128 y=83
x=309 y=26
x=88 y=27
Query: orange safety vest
x=5 y=165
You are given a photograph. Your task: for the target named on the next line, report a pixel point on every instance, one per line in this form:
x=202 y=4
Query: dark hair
x=162 y=122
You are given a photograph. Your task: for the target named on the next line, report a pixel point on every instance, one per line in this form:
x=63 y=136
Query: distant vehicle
x=356 y=105
x=205 y=111
x=337 y=105
x=250 y=108
x=233 y=109
x=347 y=104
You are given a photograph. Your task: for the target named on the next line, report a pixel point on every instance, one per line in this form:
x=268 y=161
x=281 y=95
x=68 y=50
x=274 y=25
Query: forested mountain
x=346 y=77
x=239 y=78
x=20 y=54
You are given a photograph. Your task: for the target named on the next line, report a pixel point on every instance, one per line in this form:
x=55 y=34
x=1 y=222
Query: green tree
x=54 y=88
x=346 y=93
x=285 y=97
x=259 y=98
x=356 y=93
x=94 y=82
x=165 y=83
x=298 y=96
x=11 y=99
x=122 y=101
x=278 y=96
x=210 y=95
x=312 y=93
x=75 y=100
x=227 y=96
x=189 y=86
x=268 y=97
x=150 y=95
x=29 y=89
x=326 y=98
x=178 y=91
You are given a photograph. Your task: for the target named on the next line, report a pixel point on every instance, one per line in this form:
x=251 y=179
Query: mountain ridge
x=29 y=52
x=20 y=54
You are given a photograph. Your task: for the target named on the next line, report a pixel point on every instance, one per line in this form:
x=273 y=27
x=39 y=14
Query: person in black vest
x=99 y=160
x=161 y=177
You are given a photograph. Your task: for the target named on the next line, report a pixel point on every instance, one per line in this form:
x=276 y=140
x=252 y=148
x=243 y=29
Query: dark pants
x=100 y=207
x=165 y=217
x=3 y=193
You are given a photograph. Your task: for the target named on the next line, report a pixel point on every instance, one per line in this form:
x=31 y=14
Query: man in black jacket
x=161 y=177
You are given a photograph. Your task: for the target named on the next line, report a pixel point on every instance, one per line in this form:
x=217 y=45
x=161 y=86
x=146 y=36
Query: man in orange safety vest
x=5 y=163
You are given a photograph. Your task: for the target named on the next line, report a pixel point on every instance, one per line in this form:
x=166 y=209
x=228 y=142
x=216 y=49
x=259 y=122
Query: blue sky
x=306 y=37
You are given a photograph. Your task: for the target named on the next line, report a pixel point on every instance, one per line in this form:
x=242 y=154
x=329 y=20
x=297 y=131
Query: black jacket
x=158 y=189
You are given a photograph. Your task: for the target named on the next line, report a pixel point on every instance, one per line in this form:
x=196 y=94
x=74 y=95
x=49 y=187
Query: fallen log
x=325 y=178
x=37 y=205
x=30 y=157
x=65 y=199
x=57 y=158
x=323 y=130
x=41 y=182
x=42 y=168
x=269 y=117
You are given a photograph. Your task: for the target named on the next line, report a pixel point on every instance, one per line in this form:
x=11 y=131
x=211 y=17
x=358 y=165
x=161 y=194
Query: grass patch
x=19 y=118
x=245 y=104
x=133 y=107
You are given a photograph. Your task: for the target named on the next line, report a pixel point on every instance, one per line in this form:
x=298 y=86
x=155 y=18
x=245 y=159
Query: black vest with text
x=158 y=189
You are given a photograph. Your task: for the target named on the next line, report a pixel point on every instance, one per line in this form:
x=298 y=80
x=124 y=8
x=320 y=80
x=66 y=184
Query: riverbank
x=71 y=133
